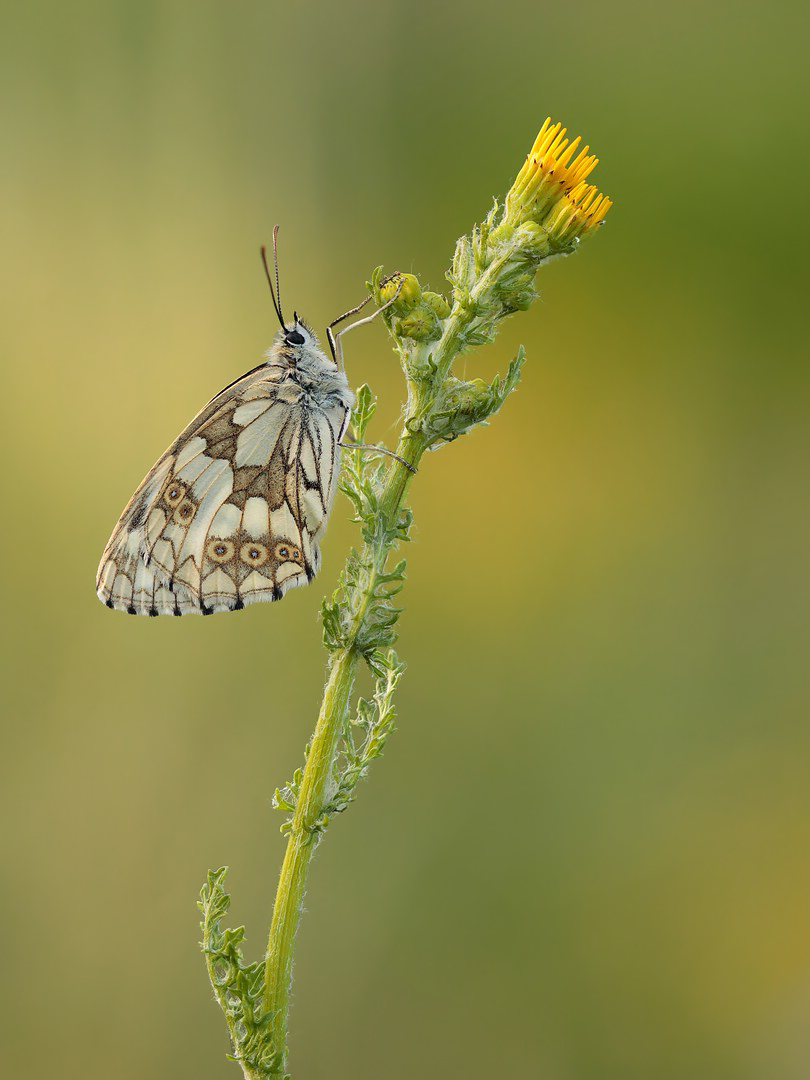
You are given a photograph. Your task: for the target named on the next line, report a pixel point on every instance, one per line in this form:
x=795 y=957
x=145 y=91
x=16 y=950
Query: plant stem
x=319 y=768
x=318 y=771
x=545 y=214
x=302 y=842
x=410 y=449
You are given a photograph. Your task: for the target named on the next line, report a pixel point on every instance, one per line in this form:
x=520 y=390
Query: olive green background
x=584 y=855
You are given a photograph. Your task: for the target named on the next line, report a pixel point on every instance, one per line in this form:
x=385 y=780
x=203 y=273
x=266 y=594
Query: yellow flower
x=550 y=189
x=577 y=212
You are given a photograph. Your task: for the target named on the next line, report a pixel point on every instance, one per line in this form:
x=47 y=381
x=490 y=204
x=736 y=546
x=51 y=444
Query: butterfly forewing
x=233 y=512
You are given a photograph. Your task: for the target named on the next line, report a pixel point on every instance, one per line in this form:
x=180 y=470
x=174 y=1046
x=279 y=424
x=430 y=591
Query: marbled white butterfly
x=234 y=511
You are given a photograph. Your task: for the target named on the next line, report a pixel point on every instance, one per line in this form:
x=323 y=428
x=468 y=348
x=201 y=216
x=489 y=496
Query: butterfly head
x=296 y=341
x=297 y=336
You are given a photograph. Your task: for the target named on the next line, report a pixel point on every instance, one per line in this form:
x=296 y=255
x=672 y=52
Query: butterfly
x=234 y=511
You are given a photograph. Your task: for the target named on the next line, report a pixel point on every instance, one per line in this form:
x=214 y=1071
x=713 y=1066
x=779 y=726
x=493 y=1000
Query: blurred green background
x=584 y=855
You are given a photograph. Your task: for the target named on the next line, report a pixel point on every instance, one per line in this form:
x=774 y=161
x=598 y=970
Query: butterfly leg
x=351 y=311
x=335 y=344
x=378 y=450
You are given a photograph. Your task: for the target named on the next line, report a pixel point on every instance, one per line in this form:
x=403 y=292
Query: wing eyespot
x=184 y=512
x=286 y=552
x=254 y=554
x=220 y=551
x=174 y=495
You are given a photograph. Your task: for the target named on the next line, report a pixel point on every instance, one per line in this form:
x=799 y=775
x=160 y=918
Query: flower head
x=551 y=190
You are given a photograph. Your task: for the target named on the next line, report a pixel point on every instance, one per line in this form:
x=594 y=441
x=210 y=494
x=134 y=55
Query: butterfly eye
x=294 y=337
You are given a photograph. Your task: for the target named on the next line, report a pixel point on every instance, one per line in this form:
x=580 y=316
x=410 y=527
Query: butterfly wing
x=234 y=510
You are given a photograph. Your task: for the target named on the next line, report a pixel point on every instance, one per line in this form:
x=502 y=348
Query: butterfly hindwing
x=233 y=512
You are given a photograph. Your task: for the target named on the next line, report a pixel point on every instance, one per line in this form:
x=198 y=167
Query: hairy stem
x=314 y=791
x=318 y=771
x=302 y=841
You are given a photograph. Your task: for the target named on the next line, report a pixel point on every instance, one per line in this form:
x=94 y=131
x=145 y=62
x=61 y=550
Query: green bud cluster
x=414 y=314
x=492 y=276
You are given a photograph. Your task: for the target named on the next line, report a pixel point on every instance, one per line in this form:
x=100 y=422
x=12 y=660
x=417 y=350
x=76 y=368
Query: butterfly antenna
x=270 y=279
x=275 y=263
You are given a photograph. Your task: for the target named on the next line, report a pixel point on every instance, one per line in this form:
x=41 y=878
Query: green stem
x=410 y=449
x=319 y=768
x=318 y=772
x=447 y=347
x=302 y=841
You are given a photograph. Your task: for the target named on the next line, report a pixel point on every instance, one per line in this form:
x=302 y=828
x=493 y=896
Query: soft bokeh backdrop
x=584 y=855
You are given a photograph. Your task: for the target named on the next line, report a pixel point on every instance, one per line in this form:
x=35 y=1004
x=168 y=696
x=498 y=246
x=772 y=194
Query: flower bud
x=532 y=238
x=408 y=289
x=501 y=235
x=420 y=324
x=437 y=304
